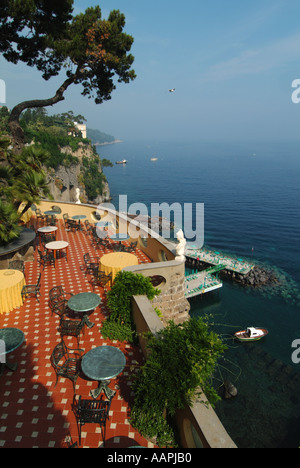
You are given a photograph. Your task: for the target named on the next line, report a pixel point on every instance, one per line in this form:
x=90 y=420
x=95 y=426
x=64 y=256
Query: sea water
x=251 y=194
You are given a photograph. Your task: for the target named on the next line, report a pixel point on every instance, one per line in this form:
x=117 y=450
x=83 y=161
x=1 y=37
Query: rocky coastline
x=65 y=181
x=268 y=281
x=108 y=143
x=259 y=276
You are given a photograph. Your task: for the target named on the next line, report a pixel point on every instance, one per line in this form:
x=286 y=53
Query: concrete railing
x=154 y=246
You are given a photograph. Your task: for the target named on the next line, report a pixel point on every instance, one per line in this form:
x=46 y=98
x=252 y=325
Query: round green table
x=102 y=364
x=84 y=302
x=10 y=340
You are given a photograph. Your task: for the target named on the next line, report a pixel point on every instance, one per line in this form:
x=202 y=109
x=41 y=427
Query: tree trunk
x=14 y=124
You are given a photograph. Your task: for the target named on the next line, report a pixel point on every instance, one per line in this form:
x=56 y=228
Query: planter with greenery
x=119 y=325
x=181 y=361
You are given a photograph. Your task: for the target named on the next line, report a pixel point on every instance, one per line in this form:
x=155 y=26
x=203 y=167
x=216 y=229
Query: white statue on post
x=78 y=202
x=180 y=249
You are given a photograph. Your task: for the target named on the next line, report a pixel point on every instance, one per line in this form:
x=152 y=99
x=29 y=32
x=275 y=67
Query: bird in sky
x=171 y=90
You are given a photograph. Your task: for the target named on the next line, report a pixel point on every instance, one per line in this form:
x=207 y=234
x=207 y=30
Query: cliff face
x=68 y=182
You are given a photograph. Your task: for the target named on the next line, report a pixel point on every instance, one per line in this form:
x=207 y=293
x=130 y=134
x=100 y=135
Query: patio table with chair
x=42 y=231
x=57 y=246
x=83 y=303
x=79 y=218
x=102 y=364
x=11 y=285
x=119 y=237
x=115 y=262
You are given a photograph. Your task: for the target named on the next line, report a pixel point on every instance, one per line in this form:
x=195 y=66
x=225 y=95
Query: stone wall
x=26 y=254
x=172 y=302
x=65 y=180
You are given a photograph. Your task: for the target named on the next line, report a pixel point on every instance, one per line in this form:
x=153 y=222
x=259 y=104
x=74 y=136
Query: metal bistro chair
x=66 y=362
x=66 y=219
x=58 y=301
x=73 y=225
x=39 y=215
x=132 y=247
x=46 y=258
x=60 y=308
x=117 y=247
x=57 y=209
x=91 y=265
x=73 y=327
x=91 y=411
x=102 y=280
x=49 y=237
x=32 y=289
x=57 y=294
x=51 y=220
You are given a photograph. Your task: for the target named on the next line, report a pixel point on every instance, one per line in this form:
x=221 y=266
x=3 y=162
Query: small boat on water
x=251 y=334
x=124 y=161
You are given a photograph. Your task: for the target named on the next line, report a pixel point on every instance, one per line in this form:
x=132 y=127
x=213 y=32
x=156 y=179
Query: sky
x=232 y=64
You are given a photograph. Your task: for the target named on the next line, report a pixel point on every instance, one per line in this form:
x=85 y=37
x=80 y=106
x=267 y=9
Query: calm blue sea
x=251 y=194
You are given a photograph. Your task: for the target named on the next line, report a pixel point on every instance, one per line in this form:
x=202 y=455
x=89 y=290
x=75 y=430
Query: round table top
x=119 y=260
x=12 y=337
x=120 y=237
x=56 y=245
x=9 y=278
x=50 y=212
x=103 y=363
x=84 y=302
x=47 y=229
x=25 y=237
x=79 y=217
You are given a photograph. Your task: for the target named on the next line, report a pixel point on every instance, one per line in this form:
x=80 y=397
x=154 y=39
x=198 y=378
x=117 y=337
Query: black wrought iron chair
x=57 y=294
x=51 y=220
x=66 y=220
x=58 y=300
x=60 y=308
x=49 y=237
x=73 y=327
x=73 y=225
x=57 y=209
x=66 y=362
x=91 y=411
x=117 y=247
x=46 y=258
x=102 y=280
x=132 y=247
x=32 y=289
x=39 y=215
x=104 y=242
x=17 y=265
x=91 y=264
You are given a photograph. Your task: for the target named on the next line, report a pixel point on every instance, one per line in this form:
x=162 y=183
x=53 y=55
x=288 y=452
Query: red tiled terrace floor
x=33 y=412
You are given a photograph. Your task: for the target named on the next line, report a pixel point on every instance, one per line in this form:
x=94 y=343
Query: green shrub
x=119 y=322
x=181 y=361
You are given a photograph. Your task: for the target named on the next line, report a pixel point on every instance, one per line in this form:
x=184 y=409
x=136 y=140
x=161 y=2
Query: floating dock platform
x=200 y=283
x=215 y=258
